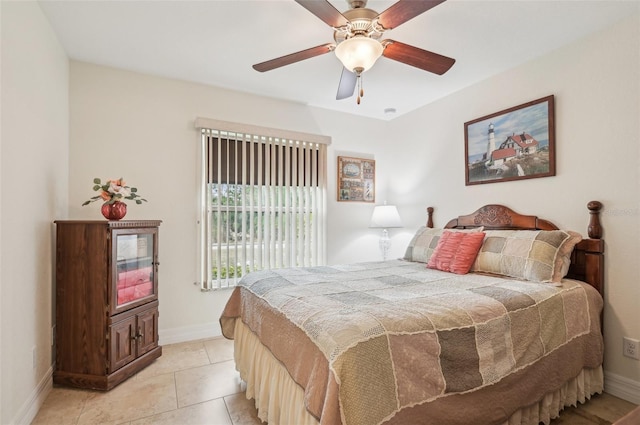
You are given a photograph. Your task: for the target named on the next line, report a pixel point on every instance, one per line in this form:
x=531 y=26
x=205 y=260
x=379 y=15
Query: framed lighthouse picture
x=514 y=144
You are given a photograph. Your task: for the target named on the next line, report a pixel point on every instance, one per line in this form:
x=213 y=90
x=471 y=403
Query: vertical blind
x=263 y=201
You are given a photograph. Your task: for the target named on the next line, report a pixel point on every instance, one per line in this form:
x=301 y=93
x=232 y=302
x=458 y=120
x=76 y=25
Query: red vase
x=115 y=211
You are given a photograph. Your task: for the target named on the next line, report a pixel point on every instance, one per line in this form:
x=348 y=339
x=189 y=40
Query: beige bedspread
x=395 y=342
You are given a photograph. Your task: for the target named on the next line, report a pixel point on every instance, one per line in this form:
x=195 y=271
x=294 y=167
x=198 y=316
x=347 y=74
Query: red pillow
x=456 y=251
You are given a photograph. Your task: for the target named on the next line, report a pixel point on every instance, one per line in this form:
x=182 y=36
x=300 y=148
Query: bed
x=513 y=341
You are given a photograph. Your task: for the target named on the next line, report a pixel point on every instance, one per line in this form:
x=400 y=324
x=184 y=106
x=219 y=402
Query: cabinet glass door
x=134 y=268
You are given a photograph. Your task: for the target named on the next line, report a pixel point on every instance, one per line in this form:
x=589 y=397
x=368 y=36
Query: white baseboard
x=189 y=333
x=621 y=387
x=30 y=407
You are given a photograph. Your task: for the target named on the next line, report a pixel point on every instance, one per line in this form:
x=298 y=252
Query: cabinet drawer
x=123 y=348
x=133 y=334
x=147 y=331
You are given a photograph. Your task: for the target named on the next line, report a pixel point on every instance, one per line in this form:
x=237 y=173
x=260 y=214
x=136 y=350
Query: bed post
x=587 y=259
x=594 y=229
x=430 y=217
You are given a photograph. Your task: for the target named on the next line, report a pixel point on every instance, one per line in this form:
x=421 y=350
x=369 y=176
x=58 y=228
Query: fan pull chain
x=360 y=89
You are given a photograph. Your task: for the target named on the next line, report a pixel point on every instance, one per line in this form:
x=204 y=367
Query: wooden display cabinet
x=106 y=301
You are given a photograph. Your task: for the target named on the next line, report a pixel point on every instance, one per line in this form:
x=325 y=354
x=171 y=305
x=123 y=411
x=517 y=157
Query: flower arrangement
x=114 y=191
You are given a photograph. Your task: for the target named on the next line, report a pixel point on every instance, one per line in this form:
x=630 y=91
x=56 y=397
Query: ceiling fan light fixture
x=359 y=52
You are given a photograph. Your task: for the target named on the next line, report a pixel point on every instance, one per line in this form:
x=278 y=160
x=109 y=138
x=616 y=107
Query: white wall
x=141 y=127
x=34 y=187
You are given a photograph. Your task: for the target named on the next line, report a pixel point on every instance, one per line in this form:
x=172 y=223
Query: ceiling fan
x=357 y=34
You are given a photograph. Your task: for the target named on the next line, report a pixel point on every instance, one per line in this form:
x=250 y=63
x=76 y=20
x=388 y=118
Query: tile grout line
x=84 y=406
x=226 y=406
x=175 y=388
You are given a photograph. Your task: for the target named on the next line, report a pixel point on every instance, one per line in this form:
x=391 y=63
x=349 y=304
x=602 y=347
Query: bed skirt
x=280 y=401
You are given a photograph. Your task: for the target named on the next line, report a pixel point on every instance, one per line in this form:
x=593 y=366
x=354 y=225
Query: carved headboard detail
x=587 y=258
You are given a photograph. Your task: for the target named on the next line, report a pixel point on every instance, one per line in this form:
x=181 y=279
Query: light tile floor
x=196 y=383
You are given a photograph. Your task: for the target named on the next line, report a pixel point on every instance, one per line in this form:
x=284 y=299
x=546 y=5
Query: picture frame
x=356 y=179
x=513 y=144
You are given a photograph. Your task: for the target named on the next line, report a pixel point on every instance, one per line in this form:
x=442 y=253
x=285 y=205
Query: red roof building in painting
x=514 y=146
x=503 y=154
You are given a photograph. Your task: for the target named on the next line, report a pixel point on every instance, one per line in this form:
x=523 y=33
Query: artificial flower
x=114 y=190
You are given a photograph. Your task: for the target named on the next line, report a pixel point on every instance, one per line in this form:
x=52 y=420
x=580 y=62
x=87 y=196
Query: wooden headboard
x=587 y=258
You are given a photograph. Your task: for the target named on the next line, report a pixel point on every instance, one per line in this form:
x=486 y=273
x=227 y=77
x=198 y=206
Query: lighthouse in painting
x=491 y=143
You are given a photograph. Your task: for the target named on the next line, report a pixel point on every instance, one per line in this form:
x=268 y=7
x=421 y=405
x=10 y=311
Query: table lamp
x=385 y=217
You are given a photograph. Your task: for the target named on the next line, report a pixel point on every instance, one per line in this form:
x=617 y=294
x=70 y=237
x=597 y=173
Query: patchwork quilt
x=382 y=342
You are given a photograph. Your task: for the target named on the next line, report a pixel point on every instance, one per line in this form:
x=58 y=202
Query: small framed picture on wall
x=356 y=179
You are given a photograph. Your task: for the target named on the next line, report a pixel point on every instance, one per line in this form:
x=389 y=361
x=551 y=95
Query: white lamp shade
x=385 y=217
x=359 y=52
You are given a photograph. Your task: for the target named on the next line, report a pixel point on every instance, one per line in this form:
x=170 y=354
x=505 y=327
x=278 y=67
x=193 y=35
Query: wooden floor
x=196 y=383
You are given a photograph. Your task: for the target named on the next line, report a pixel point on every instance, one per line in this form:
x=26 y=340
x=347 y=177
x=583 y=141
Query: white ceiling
x=215 y=42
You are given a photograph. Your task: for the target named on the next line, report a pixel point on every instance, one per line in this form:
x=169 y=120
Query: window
x=263 y=201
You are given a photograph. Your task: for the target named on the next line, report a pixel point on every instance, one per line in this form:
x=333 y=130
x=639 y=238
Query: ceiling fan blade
x=325 y=11
x=347 y=85
x=403 y=10
x=417 y=57
x=294 y=57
